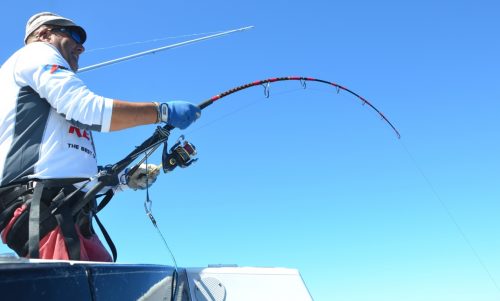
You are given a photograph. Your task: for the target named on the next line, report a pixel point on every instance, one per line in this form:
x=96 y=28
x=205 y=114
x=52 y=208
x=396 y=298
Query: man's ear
x=43 y=35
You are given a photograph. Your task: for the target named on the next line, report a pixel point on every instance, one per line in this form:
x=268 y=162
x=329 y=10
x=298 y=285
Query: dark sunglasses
x=72 y=33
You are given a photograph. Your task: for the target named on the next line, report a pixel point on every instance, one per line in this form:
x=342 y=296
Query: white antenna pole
x=152 y=51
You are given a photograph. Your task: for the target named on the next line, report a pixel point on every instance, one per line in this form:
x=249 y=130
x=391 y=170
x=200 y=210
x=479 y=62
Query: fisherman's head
x=63 y=33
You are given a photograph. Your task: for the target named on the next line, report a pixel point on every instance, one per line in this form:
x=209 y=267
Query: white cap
x=48 y=18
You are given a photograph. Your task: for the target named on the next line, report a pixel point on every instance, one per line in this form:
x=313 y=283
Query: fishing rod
x=163 y=48
x=303 y=81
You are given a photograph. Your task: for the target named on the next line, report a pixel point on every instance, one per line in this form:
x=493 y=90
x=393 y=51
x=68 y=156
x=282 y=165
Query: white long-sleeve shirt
x=46 y=118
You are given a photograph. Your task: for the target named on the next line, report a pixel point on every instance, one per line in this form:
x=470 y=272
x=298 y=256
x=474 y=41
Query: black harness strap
x=71 y=239
x=34 y=222
x=107 y=197
x=109 y=241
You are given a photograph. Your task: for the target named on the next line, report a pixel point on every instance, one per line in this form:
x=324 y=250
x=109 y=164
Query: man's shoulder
x=39 y=49
x=38 y=54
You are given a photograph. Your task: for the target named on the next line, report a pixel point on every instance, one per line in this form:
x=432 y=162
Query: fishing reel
x=180 y=154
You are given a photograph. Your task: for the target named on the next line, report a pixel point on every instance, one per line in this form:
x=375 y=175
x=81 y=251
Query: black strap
x=34 y=222
x=67 y=224
x=71 y=239
x=109 y=241
x=107 y=197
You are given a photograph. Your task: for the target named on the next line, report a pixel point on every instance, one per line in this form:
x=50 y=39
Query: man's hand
x=143 y=177
x=179 y=114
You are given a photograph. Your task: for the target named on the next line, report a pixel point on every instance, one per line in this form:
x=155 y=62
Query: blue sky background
x=309 y=179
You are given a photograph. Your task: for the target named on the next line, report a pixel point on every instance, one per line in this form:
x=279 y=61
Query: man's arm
x=130 y=114
x=179 y=114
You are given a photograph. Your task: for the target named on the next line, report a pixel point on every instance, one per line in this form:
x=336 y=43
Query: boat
x=38 y=279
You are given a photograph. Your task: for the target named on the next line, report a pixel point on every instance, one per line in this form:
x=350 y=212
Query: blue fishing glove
x=179 y=114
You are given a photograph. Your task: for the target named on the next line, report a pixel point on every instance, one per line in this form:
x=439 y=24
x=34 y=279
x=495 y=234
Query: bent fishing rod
x=182 y=153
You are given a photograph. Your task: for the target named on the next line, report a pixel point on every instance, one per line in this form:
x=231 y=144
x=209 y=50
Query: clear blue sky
x=309 y=179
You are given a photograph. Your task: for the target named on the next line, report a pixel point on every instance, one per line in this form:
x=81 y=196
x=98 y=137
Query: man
x=46 y=147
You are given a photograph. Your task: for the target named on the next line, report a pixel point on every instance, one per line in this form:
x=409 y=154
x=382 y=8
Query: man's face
x=67 y=45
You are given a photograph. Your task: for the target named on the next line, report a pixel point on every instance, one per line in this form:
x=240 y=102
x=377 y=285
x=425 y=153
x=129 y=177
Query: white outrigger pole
x=152 y=51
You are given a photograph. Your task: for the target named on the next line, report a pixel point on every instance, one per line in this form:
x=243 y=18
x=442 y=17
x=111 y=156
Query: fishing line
x=151 y=41
x=451 y=216
x=148 y=208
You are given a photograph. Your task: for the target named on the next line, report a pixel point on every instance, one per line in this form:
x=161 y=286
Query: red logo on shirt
x=80 y=133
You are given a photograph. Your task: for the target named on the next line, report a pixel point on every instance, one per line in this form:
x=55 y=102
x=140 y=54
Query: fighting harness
x=49 y=203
